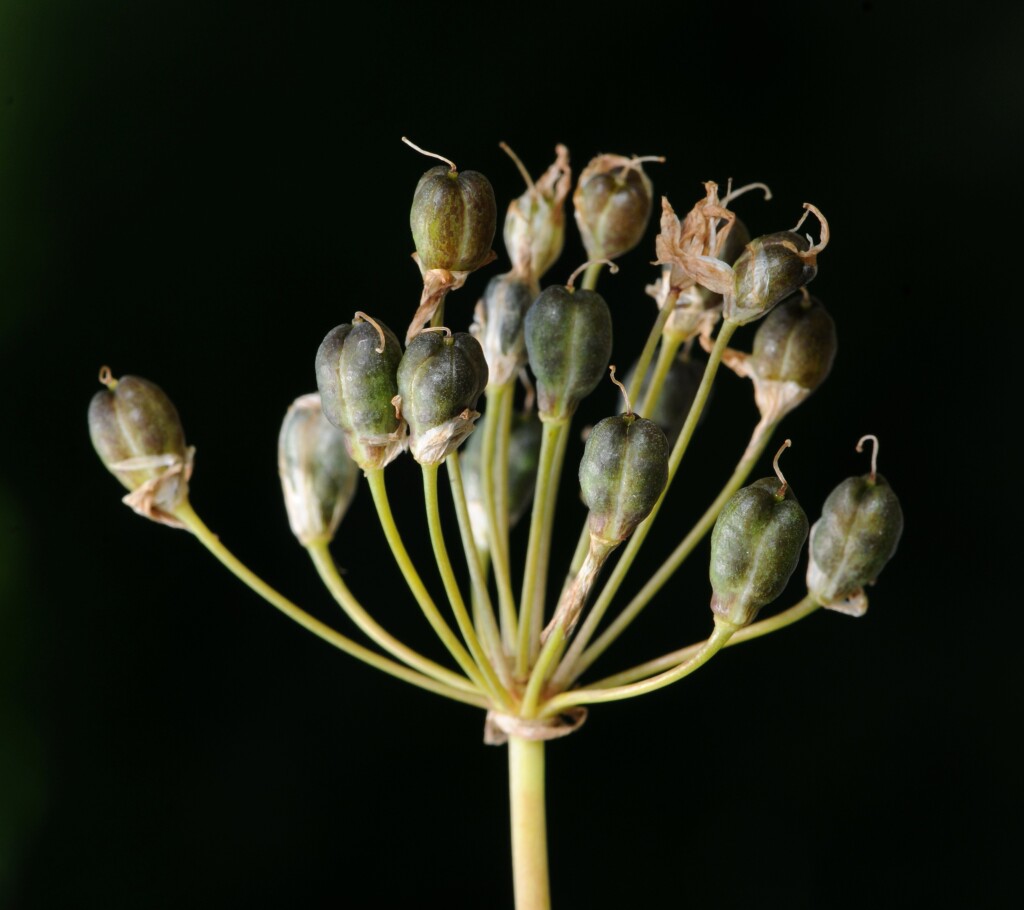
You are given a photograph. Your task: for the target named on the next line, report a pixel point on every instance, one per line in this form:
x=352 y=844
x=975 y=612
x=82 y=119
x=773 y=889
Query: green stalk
x=328 y=571
x=647 y=353
x=375 y=478
x=794 y=614
x=589 y=696
x=451 y=587
x=483 y=609
x=187 y=515
x=548 y=471
x=529 y=823
x=495 y=449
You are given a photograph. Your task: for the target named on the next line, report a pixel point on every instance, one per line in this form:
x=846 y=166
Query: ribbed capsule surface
x=136 y=431
x=318 y=478
x=568 y=343
x=356 y=373
x=440 y=377
x=860 y=527
x=755 y=546
x=623 y=472
x=796 y=342
x=453 y=219
x=767 y=272
x=613 y=203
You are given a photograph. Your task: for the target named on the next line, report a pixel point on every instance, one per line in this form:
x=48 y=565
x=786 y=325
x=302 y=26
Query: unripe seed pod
x=498 y=325
x=569 y=343
x=356 y=373
x=623 y=472
x=613 y=202
x=523 y=458
x=318 y=477
x=453 y=219
x=440 y=379
x=795 y=343
x=755 y=547
x=860 y=526
x=137 y=433
x=769 y=270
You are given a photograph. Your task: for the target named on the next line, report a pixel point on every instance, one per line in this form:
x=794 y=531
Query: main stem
x=529 y=823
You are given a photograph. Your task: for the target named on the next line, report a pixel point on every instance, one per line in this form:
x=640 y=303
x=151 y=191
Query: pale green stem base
x=529 y=824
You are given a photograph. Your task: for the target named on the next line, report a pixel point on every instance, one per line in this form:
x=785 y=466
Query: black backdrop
x=198 y=192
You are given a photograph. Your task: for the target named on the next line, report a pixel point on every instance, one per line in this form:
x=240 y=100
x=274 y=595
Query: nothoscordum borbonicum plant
x=511 y=653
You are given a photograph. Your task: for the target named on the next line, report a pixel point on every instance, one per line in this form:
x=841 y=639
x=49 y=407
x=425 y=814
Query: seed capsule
x=794 y=348
x=569 y=343
x=769 y=270
x=138 y=435
x=453 y=219
x=356 y=372
x=613 y=201
x=623 y=472
x=755 y=547
x=498 y=325
x=534 y=229
x=440 y=379
x=860 y=526
x=318 y=478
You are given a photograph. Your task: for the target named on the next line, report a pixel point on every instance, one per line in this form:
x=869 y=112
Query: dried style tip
x=613 y=200
x=860 y=527
x=440 y=379
x=535 y=222
x=356 y=369
x=318 y=478
x=781 y=492
x=138 y=435
x=755 y=547
x=568 y=342
x=623 y=472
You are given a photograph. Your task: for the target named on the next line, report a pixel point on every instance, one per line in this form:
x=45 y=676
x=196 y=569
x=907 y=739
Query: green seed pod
x=137 y=433
x=860 y=526
x=356 y=369
x=569 y=343
x=498 y=325
x=613 y=201
x=318 y=478
x=523 y=457
x=453 y=219
x=794 y=348
x=623 y=472
x=795 y=343
x=677 y=393
x=440 y=379
x=755 y=547
x=770 y=269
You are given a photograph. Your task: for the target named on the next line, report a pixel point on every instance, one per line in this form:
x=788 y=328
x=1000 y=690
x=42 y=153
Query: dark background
x=197 y=192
